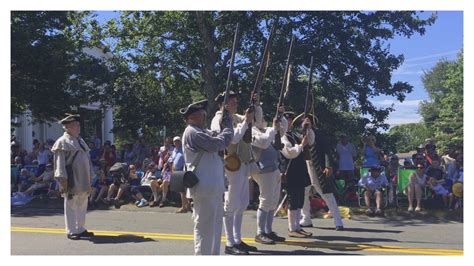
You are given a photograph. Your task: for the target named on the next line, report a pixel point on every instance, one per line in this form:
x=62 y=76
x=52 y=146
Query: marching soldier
x=201 y=155
x=267 y=177
x=73 y=170
x=320 y=171
x=236 y=198
x=297 y=175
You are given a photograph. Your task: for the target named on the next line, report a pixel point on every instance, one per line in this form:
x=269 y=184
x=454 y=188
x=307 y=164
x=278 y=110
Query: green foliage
x=50 y=74
x=163 y=60
x=408 y=136
x=183 y=56
x=443 y=114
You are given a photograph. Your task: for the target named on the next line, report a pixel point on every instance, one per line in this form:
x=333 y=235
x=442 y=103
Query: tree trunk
x=211 y=85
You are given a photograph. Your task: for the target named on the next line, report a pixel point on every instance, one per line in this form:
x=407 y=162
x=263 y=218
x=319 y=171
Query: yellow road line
x=309 y=244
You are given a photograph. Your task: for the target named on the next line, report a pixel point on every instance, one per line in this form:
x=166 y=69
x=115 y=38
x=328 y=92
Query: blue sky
x=442 y=40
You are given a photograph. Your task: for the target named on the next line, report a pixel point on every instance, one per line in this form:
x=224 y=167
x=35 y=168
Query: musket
x=259 y=80
x=284 y=87
x=229 y=75
x=307 y=104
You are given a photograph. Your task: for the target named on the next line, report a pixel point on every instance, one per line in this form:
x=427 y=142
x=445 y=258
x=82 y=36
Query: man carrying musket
x=267 y=175
x=201 y=149
x=320 y=169
x=73 y=171
x=236 y=198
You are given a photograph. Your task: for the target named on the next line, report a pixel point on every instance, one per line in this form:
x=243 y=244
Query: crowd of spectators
x=148 y=172
x=146 y=180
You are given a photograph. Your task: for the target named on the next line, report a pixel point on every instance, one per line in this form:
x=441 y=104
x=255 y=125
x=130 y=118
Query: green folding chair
x=403 y=178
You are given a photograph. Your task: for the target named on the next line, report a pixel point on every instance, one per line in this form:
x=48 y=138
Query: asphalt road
x=155 y=231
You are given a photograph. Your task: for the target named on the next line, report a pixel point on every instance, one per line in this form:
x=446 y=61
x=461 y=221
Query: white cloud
x=419 y=58
x=406 y=103
x=405 y=112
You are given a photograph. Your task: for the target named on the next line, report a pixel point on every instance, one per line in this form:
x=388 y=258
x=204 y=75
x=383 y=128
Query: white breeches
x=270 y=188
x=330 y=201
x=75 y=211
x=207 y=216
x=237 y=196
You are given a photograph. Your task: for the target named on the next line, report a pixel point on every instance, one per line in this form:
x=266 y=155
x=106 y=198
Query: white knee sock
x=262 y=217
x=229 y=229
x=292 y=220
x=269 y=223
x=238 y=217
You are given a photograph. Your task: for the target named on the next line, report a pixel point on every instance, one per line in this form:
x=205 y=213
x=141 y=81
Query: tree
x=184 y=54
x=50 y=73
x=409 y=136
x=443 y=114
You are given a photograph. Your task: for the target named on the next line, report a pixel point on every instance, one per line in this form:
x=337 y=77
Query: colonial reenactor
x=297 y=175
x=320 y=170
x=73 y=171
x=267 y=177
x=201 y=155
x=236 y=197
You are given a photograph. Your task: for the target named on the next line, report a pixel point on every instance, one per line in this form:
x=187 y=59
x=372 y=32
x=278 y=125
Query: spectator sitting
x=371 y=154
x=43 y=181
x=108 y=155
x=129 y=155
x=419 y=156
x=407 y=164
x=437 y=182
x=100 y=186
x=121 y=184
x=178 y=165
x=149 y=183
x=373 y=183
x=415 y=186
x=95 y=154
x=24 y=180
x=16 y=174
x=165 y=164
x=43 y=156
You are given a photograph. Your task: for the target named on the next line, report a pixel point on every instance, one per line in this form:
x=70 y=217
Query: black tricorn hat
x=186 y=111
x=289 y=114
x=220 y=97
x=70 y=118
x=299 y=119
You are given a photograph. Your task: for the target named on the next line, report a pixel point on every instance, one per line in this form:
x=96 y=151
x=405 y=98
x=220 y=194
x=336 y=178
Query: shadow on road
x=354 y=239
x=25 y=211
x=119 y=239
x=345 y=247
x=363 y=230
x=295 y=252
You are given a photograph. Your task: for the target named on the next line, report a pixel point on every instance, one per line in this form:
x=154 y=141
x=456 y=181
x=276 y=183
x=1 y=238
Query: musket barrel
x=231 y=67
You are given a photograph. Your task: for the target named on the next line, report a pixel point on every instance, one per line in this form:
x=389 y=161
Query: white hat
x=176 y=138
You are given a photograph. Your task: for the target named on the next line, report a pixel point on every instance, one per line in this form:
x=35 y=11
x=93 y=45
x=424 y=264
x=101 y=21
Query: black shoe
x=301 y=231
x=73 y=236
x=264 y=239
x=243 y=246
x=117 y=204
x=309 y=225
x=85 y=234
x=273 y=236
x=379 y=213
x=92 y=206
x=340 y=228
x=234 y=251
